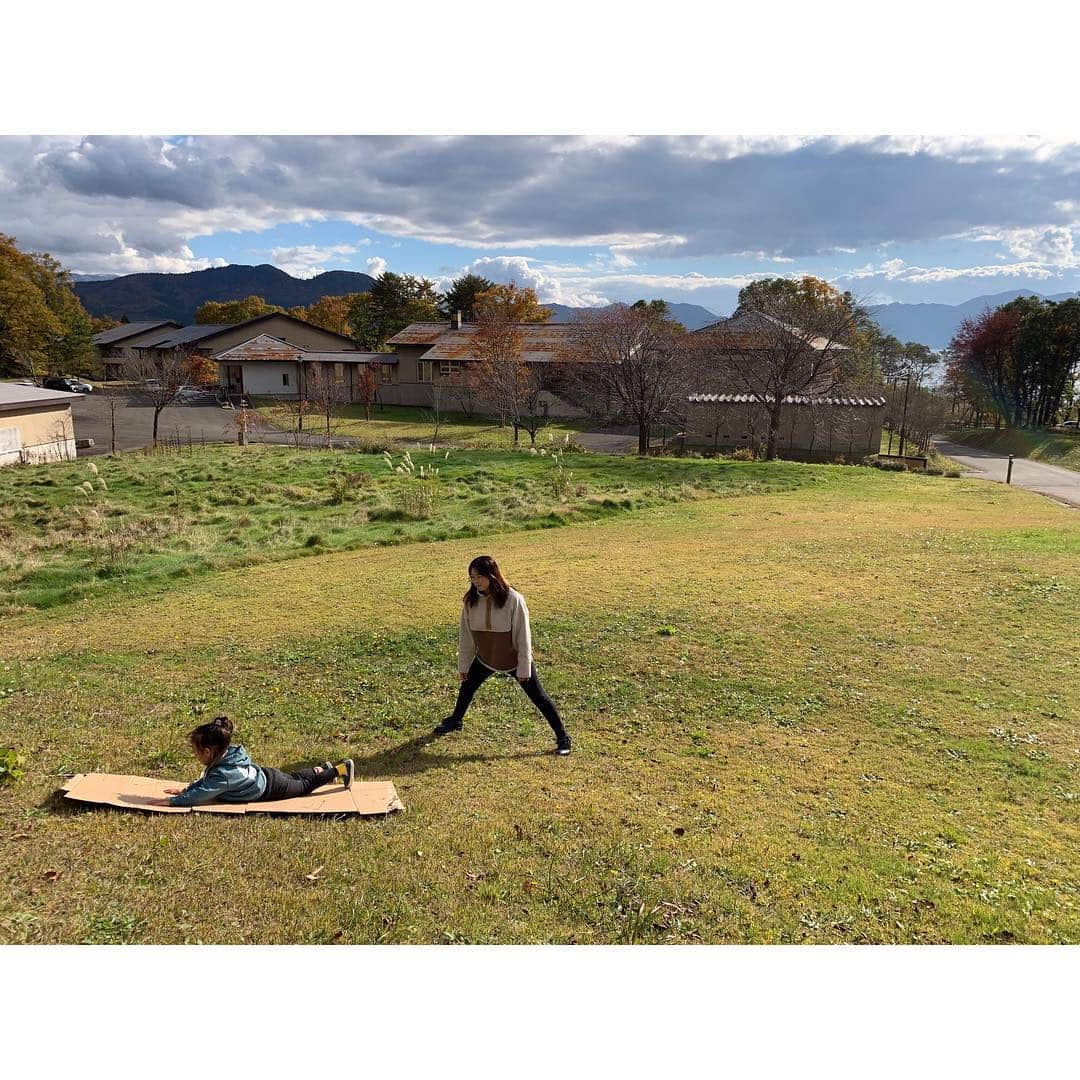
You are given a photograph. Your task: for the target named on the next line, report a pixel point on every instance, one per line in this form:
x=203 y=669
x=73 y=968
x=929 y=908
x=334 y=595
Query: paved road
x=1058 y=483
x=135 y=425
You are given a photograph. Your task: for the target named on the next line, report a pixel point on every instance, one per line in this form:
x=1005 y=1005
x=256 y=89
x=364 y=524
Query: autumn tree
x=329 y=312
x=629 y=363
x=500 y=376
x=394 y=301
x=461 y=296
x=786 y=339
x=509 y=304
x=226 y=312
x=43 y=326
x=202 y=371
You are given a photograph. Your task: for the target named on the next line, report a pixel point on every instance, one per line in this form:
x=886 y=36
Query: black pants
x=283 y=785
x=478 y=672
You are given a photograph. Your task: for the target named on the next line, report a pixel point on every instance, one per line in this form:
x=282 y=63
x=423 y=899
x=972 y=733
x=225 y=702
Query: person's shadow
x=420 y=755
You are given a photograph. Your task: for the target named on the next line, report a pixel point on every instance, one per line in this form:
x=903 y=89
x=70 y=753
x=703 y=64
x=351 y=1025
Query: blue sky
x=582 y=220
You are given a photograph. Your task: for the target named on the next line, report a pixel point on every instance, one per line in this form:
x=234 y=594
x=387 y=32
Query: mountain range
x=692 y=316
x=143 y=297
x=935 y=324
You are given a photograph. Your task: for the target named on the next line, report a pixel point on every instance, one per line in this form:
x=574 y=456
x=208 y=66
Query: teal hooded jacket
x=232 y=778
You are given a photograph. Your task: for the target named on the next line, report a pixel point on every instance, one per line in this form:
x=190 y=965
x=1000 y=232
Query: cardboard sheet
x=136 y=793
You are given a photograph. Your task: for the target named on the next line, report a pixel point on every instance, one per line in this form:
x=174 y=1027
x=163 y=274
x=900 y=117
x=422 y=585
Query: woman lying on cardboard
x=231 y=776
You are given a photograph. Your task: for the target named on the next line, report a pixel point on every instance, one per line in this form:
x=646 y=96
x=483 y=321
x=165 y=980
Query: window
x=284 y=378
x=385 y=372
x=339 y=373
x=449 y=367
x=424 y=367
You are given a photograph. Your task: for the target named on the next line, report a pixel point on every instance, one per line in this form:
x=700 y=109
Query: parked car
x=153 y=385
x=65 y=382
x=1071 y=425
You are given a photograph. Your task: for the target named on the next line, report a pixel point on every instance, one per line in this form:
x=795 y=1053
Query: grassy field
x=840 y=712
x=401 y=426
x=1044 y=446
x=133 y=522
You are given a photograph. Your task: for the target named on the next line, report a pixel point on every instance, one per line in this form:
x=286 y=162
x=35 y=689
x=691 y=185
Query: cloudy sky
x=582 y=220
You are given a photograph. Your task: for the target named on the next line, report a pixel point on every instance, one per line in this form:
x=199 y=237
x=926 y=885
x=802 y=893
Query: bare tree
x=792 y=344
x=466 y=388
x=367 y=387
x=327 y=394
x=158 y=379
x=629 y=362
x=295 y=409
x=116 y=399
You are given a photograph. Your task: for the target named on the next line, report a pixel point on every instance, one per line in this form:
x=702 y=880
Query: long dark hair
x=214 y=736
x=499 y=587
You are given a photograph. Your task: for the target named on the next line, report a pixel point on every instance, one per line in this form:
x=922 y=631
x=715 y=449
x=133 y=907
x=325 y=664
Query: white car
x=1071 y=425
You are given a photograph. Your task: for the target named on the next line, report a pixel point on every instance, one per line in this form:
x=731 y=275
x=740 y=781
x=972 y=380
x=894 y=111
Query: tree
x=43 y=326
x=787 y=339
x=329 y=312
x=327 y=395
x=983 y=349
x=161 y=379
x=461 y=296
x=629 y=362
x=465 y=385
x=510 y=304
x=367 y=388
x=394 y=301
x=202 y=371
x=500 y=375
x=226 y=312
x=115 y=399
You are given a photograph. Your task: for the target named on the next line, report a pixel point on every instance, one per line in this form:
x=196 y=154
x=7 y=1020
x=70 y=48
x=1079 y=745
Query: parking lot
x=135 y=423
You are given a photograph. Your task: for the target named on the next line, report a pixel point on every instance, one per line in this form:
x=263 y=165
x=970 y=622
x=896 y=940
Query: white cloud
x=306 y=260
x=898 y=270
x=375 y=266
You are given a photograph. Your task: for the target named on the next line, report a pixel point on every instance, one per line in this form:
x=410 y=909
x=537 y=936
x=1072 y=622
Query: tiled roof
x=346 y=357
x=126 y=330
x=740 y=331
x=184 y=335
x=420 y=333
x=790 y=399
x=540 y=342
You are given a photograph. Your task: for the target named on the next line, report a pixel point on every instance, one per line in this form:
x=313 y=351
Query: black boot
x=444 y=727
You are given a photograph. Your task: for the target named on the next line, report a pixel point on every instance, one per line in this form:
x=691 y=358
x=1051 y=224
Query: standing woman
x=495 y=639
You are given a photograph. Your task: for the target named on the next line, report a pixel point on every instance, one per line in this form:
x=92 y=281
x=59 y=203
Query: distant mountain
x=691 y=316
x=935 y=324
x=142 y=297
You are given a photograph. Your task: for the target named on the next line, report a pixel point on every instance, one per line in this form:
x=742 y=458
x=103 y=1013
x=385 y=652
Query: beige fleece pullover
x=499 y=638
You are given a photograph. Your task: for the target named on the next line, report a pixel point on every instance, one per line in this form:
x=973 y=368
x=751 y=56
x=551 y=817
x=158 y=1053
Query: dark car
x=72 y=386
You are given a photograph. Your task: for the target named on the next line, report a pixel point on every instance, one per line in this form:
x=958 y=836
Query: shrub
x=11 y=766
x=744 y=453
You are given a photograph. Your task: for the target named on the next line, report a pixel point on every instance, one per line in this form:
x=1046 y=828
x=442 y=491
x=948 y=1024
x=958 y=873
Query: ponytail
x=215 y=735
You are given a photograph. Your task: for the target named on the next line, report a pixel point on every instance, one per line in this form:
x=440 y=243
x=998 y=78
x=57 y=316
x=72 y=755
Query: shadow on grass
x=416 y=756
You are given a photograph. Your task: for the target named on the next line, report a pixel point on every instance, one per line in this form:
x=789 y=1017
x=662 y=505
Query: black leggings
x=283 y=785
x=478 y=672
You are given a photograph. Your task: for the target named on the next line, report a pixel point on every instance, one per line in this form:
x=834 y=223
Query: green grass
x=149 y=520
x=840 y=712
x=1047 y=447
x=402 y=426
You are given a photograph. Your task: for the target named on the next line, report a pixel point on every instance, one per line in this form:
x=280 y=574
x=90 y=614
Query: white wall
x=264 y=377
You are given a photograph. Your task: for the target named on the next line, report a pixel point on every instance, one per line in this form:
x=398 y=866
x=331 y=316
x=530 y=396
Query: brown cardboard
x=136 y=793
